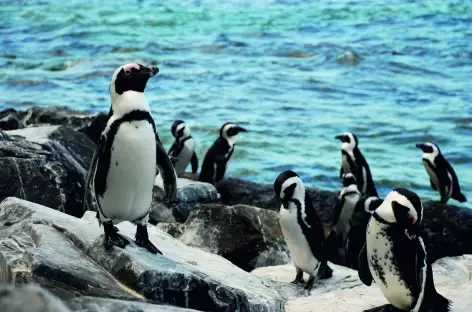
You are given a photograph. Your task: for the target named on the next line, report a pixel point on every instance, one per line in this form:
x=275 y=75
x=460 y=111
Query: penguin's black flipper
x=89 y=188
x=194 y=162
x=364 y=270
x=220 y=168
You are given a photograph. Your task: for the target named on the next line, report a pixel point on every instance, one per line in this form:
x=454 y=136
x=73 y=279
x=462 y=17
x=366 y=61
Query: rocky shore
x=222 y=246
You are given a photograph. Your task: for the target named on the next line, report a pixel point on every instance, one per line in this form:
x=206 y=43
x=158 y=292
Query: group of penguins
x=129 y=155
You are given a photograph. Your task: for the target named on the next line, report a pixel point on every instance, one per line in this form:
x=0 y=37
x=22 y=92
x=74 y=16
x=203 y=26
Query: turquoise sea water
x=294 y=73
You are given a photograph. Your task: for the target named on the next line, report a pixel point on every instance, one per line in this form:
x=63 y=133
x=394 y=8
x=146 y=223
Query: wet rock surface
x=29 y=298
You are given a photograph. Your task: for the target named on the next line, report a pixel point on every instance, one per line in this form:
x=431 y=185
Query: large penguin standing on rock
x=182 y=152
x=129 y=153
x=218 y=156
x=441 y=175
x=302 y=229
x=394 y=256
x=353 y=161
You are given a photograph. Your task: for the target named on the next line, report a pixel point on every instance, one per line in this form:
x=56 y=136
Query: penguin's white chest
x=345 y=163
x=342 y=226
x=131 y=173
x=384 y=271
x=300 y=250
x=183 y=159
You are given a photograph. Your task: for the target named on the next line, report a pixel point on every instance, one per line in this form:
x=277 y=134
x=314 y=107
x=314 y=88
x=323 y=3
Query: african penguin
x=182 y=152
x=129 y=153
x=441 y=175
x=218 y=156
x=353 y=161
x=394 y=255
x=302 y=229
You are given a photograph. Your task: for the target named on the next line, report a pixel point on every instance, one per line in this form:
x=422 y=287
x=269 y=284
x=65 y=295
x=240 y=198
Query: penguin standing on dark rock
x=218 y=156
x=395 y=257
x=182 y=152
x=353 y=161
x=129 y=153
x=441 y=175
x=302 y=229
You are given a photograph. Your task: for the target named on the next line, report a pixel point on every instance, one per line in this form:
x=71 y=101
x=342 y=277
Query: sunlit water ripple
x=295 y=73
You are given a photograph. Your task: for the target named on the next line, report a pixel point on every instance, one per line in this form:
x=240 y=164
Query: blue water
x=295 y=73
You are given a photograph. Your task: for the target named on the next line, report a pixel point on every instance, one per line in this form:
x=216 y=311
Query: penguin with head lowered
x=218 y=156
x=353 y=161
x=302 y=229
x=125 y=162
x=395 y=257
x=441 y=175
x=182 y=151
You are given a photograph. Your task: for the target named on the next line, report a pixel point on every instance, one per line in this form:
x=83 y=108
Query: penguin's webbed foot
x=112 y=238
x=309 y=284
x=325 y=271
x=298 y=278
x=142 y=239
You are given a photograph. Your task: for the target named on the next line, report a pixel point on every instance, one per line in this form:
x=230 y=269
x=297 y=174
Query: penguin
x=353 y=161
x=125 y=162
x=302 y=229
x=218 y=156
x=356 y=237
x=395 y=257
x=441 y=175
x=182 y=151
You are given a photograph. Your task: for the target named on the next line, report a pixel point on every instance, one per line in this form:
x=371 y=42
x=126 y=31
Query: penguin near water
x=301 y=228
x=182 y=151
x=395 y=257
x=125 y=162
x=441 y=175
x=353 y=161
x=218 y=156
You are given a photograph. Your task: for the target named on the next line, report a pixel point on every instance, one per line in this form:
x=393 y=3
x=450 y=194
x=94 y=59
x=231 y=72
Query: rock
x=448 y=228
x=66 y=255
x=451 y=275
x=95 y=127
x=28 y=298
x=11 y=122
x=46 y=165
x=249 y=237
x=93 y=304
x=173 y=229
x=189 y=195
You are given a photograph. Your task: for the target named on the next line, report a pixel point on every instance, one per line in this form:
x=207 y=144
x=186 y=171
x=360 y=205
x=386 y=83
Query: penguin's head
x=230 y=129
x=288 y=188
x=372 y=203
x=348 y=179
x=348 y=139
x=180 y=130
x=429 y=148
x=130 y=77
x=401 y=206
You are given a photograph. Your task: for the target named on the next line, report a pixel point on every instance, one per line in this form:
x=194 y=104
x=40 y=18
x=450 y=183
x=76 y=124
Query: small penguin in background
x=395 y=257
x=302 y=229
x=356 y=237
x=125 y=162
x=342 y=212
x=353 y=161
x=218 y=156
x=182 y=151
x=441 y=175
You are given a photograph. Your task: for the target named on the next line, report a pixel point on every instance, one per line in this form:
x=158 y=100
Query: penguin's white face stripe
x=299 y=192
x=348 y=189
x=367 y=203
x=186 y=133
x=352 y=142
x=431 y=156
x=231 y=139
x=385 y=210
x=423 y=282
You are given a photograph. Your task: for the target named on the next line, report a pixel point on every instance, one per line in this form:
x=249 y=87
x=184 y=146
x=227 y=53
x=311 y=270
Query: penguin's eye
x=127 y=72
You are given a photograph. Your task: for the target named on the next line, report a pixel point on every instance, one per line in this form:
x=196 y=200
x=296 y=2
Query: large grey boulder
x=67 y=256
x=94 y=304
x=247 y=236
x=29 y=298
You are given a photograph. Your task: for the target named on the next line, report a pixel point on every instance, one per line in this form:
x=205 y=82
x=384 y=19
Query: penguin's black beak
x=149 y=71
x=421 y=146
x=340 y=137
x=240 y=129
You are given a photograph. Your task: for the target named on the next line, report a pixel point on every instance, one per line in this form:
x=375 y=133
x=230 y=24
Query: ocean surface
x=294 y=73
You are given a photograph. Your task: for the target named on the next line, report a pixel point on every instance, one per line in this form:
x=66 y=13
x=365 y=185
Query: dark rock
x=29 y=298
x=67 y=256
x=247 y=236
x=93 y=304
x=46 y=165
x=95 y=127
x=448 y=228
x=11 y=122
x=173 y=229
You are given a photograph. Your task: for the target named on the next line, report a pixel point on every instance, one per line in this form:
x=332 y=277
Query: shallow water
x=295 y=73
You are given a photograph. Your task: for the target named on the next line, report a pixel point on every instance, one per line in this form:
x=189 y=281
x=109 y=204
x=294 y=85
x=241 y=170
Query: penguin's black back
x=216 y=154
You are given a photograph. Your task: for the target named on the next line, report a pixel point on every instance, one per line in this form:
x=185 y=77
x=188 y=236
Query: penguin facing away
x=125 y=162
x=353 y=161
x=182 y=151
x=395 y=257
x=218 y=156
x=441 y=175
x=302 y=229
